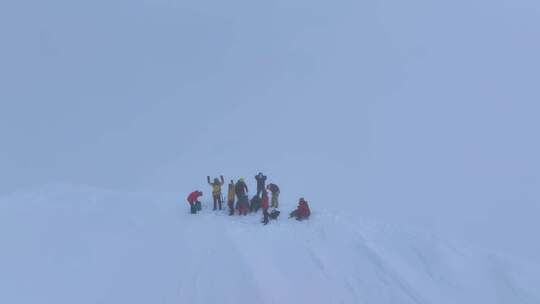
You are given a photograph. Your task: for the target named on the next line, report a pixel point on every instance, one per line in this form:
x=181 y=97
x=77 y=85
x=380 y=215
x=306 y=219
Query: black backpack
x=274 y=214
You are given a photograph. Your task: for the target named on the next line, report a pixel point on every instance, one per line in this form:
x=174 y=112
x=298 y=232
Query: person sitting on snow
x=302 y=212
x=193 y=200
x=216 y=190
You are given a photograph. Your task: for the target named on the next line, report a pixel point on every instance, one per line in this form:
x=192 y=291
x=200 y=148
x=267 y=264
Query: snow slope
x=83 y=245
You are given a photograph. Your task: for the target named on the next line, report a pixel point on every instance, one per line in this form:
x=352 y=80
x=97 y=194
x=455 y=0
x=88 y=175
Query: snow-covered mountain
x=418 y=114
x=66 y=244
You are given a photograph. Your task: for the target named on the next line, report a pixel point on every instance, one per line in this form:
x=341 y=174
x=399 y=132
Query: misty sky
x=418 y=112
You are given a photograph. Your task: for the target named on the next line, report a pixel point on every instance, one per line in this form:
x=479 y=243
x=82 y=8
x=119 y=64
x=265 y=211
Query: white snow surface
x=83 y=245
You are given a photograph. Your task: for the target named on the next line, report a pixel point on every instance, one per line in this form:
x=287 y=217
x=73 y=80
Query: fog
x=422 y=113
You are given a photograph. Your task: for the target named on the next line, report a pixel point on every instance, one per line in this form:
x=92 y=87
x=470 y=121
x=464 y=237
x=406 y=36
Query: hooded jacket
x=240 y=188
x=273 y=188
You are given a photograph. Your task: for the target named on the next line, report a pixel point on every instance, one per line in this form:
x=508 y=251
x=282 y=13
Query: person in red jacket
x=302 y=212
x=265 y=205
x=193 y=200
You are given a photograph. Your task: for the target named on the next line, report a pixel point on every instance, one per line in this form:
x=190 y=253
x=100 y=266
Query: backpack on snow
x=274 y=214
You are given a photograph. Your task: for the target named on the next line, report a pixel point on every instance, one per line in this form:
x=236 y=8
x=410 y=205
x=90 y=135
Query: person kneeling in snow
x=193 y=200
x=302 y=212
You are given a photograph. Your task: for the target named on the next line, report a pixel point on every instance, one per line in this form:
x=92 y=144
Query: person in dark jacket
x=274 y=189
x=193 y=200
x=255 y=204
x=241 y=188
x=261 y=182
x=216 y=190
x=265 y=206
x=302 y=212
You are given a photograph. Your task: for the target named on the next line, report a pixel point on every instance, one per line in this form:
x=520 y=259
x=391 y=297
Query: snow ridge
x=83 y=245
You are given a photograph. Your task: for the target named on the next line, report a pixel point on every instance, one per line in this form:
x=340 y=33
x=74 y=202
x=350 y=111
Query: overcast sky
x=418 y=112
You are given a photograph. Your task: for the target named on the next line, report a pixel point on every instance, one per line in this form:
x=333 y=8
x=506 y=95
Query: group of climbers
x=238 y=192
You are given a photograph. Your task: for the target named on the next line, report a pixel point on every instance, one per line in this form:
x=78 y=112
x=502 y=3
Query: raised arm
x=208 y=179
x=222 y=180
